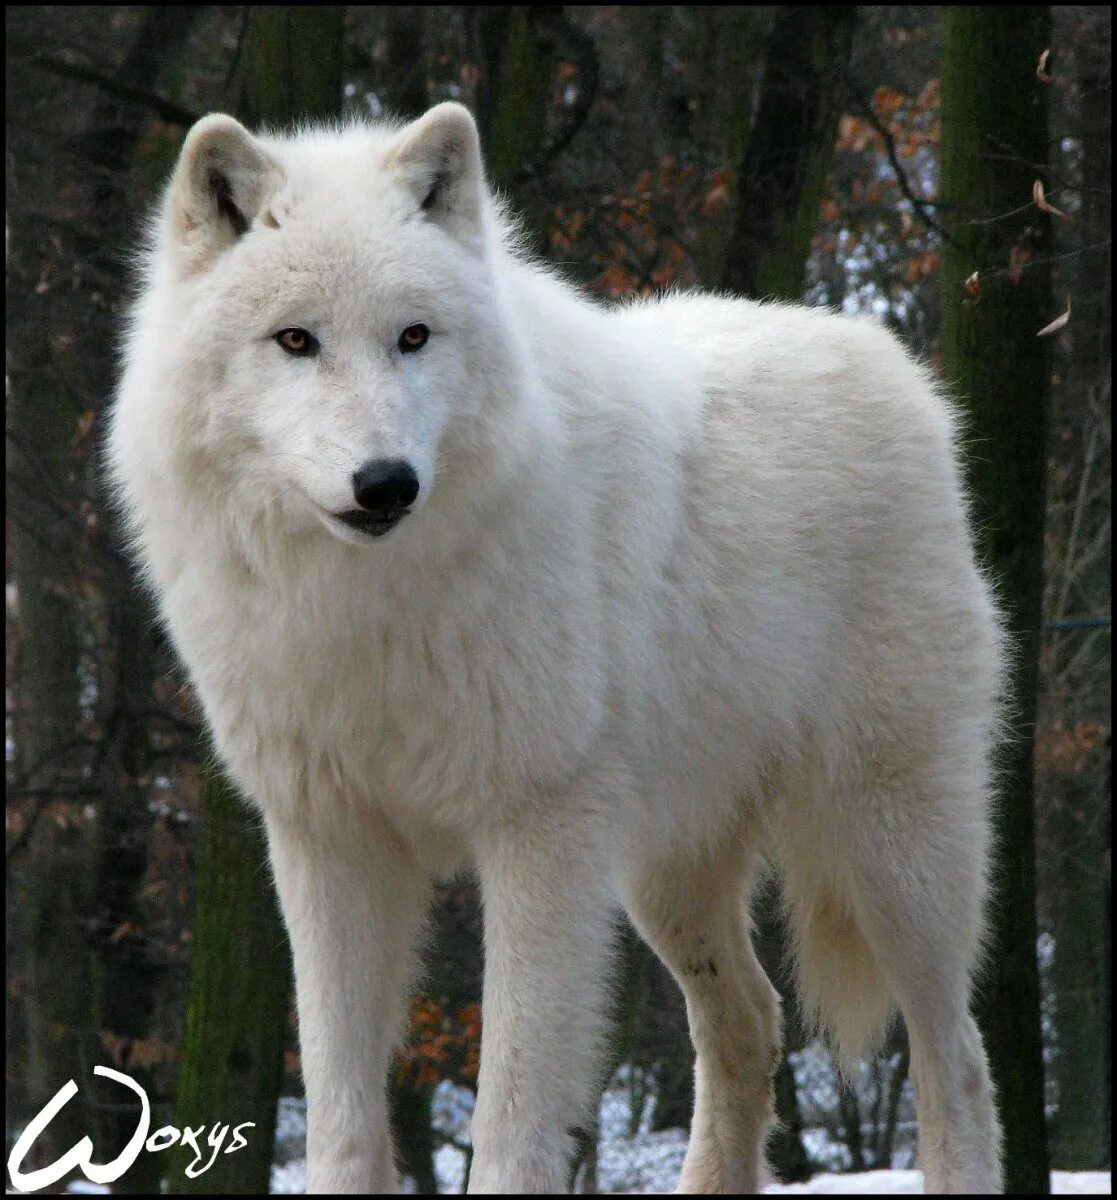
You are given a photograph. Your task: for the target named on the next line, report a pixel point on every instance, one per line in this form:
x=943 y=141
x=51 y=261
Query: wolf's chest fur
x=431 y=706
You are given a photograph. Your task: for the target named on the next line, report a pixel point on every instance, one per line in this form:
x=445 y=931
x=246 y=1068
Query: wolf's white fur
x=689 y=583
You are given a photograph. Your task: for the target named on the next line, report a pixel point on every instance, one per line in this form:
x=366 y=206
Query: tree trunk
x=126 y=978
x=849 y=1114
x=412 y=1134
x=779 y=185
x=290 y=67
x=1078 y=877
x=517 y=46
x=49 y=882
x=730 y=36
x=236 y=1010
x=994 y=105
x=895 y=1091
x=125 y=974
x=786 y=1153
x=403 y=82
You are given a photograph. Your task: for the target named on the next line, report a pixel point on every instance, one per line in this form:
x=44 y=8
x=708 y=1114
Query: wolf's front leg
x=353 y=903
x=549 y=926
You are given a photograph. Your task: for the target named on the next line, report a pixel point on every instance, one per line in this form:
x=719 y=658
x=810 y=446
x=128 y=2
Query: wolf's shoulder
x=756 y=326
x=788 y=361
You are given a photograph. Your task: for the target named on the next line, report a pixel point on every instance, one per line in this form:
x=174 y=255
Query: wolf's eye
x=298 y=342
x=413 y=338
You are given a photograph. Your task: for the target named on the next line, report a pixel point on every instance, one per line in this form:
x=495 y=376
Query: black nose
x=385 y=485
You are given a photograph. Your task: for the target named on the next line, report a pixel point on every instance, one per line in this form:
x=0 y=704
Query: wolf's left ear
x=438 y=158
x=222 y=183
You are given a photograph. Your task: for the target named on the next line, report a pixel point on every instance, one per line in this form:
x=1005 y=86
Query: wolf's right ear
x=222 y=182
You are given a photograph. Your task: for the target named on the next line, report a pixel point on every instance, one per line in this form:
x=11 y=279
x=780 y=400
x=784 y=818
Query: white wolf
x=607 y=603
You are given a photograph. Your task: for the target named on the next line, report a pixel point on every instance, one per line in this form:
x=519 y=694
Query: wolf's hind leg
x=921 y=913
x=694 y=915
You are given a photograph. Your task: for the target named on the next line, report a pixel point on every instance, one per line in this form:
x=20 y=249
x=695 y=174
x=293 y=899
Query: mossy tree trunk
x=290 y=64
x=290 y=68
x=518 y=47
x=518 y=50
x=994 y=131
x=236 y=1015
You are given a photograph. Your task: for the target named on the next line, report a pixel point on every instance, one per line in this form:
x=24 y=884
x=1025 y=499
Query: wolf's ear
x=222 y=182
x=438 y=158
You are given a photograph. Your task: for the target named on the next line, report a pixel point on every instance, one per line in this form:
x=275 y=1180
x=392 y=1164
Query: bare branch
x=168 y=109
x=921 y=207
x=993 y=273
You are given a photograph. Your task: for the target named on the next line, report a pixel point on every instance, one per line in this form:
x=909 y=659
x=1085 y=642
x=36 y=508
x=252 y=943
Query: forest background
x=946 y=171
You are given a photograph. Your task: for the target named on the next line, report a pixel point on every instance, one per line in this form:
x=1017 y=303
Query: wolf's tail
x=842 y=989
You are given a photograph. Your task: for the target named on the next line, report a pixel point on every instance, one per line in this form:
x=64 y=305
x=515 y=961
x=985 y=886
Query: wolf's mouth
x=372 y=524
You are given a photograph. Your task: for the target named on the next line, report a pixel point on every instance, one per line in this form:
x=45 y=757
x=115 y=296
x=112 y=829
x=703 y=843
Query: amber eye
x=413 y=338
x=297 y=342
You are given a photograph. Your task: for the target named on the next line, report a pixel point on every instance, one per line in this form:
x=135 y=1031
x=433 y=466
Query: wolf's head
x=322 y=318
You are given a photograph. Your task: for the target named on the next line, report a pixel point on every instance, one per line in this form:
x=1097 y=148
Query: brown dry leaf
x=1017 y=257
x=85 y=424
x=929 y=97
x=150 y=1052
x=1057 y=324
x=114 y=1045
x=886 y=100
x=716 y=200
x=1042 y=202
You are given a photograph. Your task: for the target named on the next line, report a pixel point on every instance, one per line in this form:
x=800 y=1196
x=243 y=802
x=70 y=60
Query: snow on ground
x=871 y=1183
x=645 y=1163
x=868 y=1183
x=910 y=1183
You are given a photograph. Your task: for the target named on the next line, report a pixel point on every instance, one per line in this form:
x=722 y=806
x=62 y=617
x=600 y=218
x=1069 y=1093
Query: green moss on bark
x=236 y=1013
x=994 y=128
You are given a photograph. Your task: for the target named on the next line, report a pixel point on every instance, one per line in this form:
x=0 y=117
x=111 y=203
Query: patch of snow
x=646 y=1164
x=910 y=1183
x=289 y=1179
x=449 y=1170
